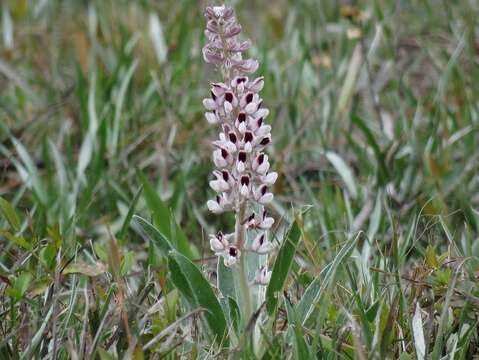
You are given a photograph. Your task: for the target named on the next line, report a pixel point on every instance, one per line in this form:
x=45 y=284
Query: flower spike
x=242 y=179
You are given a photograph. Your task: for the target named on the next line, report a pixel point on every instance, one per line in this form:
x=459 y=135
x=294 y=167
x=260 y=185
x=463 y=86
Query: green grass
x=105 y=162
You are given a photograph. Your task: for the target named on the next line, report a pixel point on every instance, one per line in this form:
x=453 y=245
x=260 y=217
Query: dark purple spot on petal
x=224 y=153
x=218 y=199
x=240 y=80
x=265 y=141
x=260 y=158
x=242 y=156
x=264 y=188
x=229 y=97
x=259 y=121
x=241 y=117
x=245 y=180
x=213 y=96
x=232 y=137
x=226 y=175
x=233 y=251
x=248 y=136
x=261 y=240
x=251 y=217
x=249 y=98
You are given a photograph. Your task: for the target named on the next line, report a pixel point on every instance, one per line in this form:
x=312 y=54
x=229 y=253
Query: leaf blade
x=196 y=289
x=281 y=267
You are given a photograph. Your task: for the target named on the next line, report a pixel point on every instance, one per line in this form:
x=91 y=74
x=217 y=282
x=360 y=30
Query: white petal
x=248 y=147
x=266 y=198
x=230 y=260
x=263 y=276
x=240 y=88
x=214 y=207
x=257 y=242
x=263 y=130
x=242 y=127
x=211 y=118
x=215 y=186
x=219 y=89
x=263 y=168
x=266 y=277
x=219 y=160
x=244 y=191
x=265 y=248
x=216 y=245
x=270 y=179
x=223 y=185
x=228 y=107
x=256 y=85
x=219 y=185
x=240 y=166
x=231 y=147
x=266 y=223
x=257 y=193
x=251 y=108
x=209 y=104
x=261 y=113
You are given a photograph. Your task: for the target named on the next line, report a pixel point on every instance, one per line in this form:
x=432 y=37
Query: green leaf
x=181 y=242
x=281 y=268
x=300 y=346
x=127 y=263
x=151 y=233
x=119 y=101
x=344 y=171
x=431 y=258
x=198 y=293
x=104 y=355
x=129 y=215
x=235 y=313
x=20 y=285
x=161 y=213
x=383 y=173
x=39 y=335
x=54 y=234
x=31 y=169
x=323 y=282
x=163 y=218
x=47 y=255
x=157 y=38
x=225 y=280
x=10 y=214
x=372 y=311
x=91 y=270
x=17 y=240
x=90 y=140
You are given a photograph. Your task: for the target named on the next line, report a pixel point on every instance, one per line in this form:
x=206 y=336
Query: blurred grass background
x=374 y=108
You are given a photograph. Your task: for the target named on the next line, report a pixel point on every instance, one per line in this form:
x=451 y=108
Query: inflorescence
x=242 y=179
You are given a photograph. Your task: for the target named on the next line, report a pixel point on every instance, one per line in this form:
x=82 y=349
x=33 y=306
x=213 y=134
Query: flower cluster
x=241 y=179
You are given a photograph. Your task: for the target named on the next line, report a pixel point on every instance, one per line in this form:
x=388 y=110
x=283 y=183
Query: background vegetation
x=375 y=114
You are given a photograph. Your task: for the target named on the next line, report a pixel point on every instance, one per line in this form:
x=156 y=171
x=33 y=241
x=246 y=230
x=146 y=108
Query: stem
x=243 y=276
x=239 y=227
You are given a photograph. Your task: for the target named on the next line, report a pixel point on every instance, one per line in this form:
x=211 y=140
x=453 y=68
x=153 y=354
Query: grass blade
x=281 y=268
x=198 y=293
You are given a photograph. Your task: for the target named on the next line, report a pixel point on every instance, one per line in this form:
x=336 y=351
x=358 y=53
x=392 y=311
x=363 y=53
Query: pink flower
x=261 y=244
x=242 y=176
x=263 y=276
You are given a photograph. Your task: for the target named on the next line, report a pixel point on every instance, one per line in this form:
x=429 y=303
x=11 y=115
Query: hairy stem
x=243 y=275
